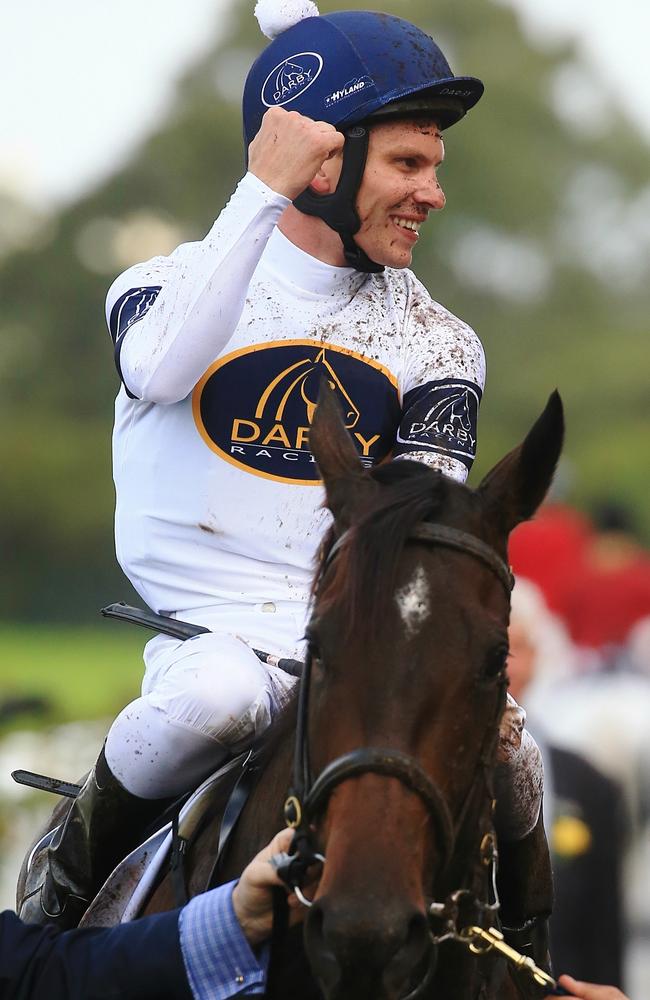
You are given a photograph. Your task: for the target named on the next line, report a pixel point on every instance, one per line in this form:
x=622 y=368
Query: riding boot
x=104 y=823
x=525 y=885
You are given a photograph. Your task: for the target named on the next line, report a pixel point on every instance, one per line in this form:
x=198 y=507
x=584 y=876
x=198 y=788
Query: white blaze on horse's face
x=413 y=602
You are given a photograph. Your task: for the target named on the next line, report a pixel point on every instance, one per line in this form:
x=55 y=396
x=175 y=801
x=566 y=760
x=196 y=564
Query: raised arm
x=171 y=316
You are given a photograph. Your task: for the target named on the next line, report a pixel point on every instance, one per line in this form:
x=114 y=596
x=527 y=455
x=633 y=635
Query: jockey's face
x=400 y=185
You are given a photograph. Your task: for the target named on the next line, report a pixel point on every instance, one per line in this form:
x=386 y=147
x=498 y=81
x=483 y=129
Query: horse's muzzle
x=355 y=956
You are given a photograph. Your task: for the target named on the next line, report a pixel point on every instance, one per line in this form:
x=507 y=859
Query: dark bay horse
x=408 y=645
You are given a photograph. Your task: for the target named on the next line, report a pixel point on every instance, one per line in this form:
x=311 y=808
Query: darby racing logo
x=254 y=406
x=348 y=90
x=442 y=417
x=291 y=78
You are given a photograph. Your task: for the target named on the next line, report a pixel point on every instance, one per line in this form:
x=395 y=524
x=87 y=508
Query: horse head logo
x=291 y=75
x=304 y=379
x=290 y=78
x=452 y=411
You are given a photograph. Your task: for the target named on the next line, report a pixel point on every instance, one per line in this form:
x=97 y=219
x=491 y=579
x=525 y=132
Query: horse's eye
x=495 y=662
x=313 y=646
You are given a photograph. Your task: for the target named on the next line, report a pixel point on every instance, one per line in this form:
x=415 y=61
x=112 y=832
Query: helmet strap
x=358 y=258
x=338 y=209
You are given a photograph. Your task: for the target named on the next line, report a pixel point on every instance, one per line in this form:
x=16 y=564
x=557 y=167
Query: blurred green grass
x=83 y=673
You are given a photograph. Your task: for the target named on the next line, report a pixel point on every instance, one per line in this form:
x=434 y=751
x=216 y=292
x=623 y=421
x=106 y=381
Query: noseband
x=308 y=796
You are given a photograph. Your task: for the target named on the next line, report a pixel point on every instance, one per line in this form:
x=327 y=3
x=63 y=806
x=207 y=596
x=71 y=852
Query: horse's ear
x=335 y=454
x=514 y=489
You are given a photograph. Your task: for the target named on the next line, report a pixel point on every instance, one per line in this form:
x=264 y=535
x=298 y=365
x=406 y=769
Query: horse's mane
x=362 y=576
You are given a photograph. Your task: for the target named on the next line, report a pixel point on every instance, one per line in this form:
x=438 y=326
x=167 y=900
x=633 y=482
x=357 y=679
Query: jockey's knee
x=519 y=787
x=217 y=687
x=206 y=699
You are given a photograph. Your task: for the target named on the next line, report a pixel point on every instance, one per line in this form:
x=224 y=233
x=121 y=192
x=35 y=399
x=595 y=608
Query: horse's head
x=408 y=642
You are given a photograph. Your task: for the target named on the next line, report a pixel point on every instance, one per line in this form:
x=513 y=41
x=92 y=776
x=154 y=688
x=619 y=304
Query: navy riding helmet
x=349 y=68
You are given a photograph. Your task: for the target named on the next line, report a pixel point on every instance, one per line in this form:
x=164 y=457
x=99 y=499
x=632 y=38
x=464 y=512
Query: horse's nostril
x=321 y=957
x=413 y=963
x=418 y=930
x=391 y=955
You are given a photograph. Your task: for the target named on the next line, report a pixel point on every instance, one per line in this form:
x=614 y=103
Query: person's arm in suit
x=202 y=952
x=137 y=961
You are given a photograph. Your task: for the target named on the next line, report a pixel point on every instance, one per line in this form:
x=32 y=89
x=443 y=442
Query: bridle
x=463 y=916
x=307 y=796
x=451 y=538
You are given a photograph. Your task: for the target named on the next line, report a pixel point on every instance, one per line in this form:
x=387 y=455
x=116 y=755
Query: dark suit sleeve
x=136 y=961
x=587 y=926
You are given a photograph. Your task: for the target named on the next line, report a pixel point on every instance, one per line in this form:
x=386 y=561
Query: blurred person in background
x=608 y=589
x=603 y=716
x=583 y=809
x=594 y=574
x=635 y=657
x=547 y=549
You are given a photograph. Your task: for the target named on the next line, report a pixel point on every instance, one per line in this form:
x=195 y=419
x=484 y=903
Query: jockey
x=220 y=349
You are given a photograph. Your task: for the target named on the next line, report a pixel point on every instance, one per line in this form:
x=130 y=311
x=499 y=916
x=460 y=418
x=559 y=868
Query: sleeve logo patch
x=130 y=308
x=254 y=407
x=441 y=417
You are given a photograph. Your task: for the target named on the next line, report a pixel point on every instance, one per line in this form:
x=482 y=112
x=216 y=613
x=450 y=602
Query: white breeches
x=202 y=700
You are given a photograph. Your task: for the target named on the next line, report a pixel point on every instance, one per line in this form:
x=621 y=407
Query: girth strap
x=177 y=865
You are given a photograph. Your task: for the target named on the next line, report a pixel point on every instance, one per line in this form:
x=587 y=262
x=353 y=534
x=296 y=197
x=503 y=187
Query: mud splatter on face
x=399 y=189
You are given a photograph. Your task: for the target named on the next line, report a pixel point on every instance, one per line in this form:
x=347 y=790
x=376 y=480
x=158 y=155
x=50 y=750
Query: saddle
x=127 y=889
x=165 y=843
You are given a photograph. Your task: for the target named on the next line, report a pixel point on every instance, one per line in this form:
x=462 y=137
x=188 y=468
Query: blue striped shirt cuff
x=218 y=959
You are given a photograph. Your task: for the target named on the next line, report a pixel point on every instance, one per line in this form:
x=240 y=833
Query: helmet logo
x=348 y=90
x=291 y=78
x=455 y=92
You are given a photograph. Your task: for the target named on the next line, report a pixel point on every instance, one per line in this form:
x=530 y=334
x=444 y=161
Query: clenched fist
x=289 y=150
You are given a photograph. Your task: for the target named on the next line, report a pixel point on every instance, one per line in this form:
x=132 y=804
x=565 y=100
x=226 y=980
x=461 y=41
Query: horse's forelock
x=362 y=577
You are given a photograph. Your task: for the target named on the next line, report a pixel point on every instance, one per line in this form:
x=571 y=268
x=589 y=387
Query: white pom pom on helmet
x=276 y=16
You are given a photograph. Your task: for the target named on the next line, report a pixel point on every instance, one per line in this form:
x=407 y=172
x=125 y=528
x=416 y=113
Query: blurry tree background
x=543 y=248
